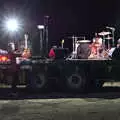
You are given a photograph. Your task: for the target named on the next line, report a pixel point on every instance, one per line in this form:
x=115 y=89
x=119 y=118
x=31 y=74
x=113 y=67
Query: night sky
x=67 y=17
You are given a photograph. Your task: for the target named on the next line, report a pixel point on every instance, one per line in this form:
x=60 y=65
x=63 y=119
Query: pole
x=26 y=40
x=104 y=46
x=75 y=42
x=113 y=37
x=73 y=38
x=46 y=20
x=41 y=39
x=113 y=30
x=46 y=40
x=41 y=43
x=62 y=43
x=108 y=43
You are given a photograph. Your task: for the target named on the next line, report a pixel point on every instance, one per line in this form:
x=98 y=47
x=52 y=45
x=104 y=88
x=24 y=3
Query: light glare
x=12 y=25
x=40 y=26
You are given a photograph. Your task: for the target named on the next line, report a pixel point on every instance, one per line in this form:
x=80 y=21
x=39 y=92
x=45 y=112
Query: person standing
x=15 y=67
x=116 y=52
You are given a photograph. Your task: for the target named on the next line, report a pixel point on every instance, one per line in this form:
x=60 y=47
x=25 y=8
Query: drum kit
x=104 y=47
x=105 y=36
x=76 y=42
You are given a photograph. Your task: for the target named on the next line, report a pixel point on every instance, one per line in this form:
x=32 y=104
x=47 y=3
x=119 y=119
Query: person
x=26 y=53
x=116 y=52
x=52 y=53
x=97 y=39
x=96 y=47
x=15 y=68
x=110 y=52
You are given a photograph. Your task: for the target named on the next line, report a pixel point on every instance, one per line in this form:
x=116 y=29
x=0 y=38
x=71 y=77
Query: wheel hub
x=74 y=81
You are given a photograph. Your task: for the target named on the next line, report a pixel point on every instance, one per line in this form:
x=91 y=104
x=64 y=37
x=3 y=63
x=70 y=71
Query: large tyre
x=95 y=85
x=76 y=82
x=39 y=82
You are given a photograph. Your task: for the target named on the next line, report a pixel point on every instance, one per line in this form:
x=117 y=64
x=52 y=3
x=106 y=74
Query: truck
x=75 y=75
x=67 y=74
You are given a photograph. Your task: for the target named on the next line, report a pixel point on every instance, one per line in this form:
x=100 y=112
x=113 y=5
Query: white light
x=40 y=27
x=12 y=25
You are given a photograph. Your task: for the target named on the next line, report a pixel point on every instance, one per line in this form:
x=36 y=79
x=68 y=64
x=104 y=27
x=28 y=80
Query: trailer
x=71 y=74
x=75 y=75
x=68 y=74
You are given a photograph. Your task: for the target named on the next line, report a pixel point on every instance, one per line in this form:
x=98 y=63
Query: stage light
x=12 y=25
x=40 y=27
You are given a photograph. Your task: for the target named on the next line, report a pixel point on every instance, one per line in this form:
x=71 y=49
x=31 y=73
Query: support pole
x=62 y=43
x=26 y=41
x=113 y=37
x=41 y=41
x=46 y=22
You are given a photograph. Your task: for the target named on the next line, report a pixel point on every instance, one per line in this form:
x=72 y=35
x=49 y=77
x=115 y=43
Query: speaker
x=61 y=53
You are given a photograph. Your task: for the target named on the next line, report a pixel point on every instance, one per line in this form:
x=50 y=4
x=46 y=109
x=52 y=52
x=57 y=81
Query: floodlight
x=12 y=25
x=40 y=27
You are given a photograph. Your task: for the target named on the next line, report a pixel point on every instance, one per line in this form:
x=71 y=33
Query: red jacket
x=13 y=56
x=52 y=53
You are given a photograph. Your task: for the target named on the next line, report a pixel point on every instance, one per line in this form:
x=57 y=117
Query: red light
x=4 y=58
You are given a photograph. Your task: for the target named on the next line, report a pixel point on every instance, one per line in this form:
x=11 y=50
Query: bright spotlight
x=40 y=27
x=12 y=25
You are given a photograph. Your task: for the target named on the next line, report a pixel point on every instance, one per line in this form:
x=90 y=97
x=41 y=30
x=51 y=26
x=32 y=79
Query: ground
x=60 y=109
x=103 y=105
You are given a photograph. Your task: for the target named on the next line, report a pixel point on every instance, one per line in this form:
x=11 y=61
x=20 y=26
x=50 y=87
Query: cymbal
x=75 y=37
x=104 y=33
x=109 y=38
x=83 y=41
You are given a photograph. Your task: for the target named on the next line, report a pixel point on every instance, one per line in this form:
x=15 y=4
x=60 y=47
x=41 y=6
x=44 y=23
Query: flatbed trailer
x=75 y=75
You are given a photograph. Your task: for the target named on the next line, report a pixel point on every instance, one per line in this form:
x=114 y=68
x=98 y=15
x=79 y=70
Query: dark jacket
x=13 y=56
x=116 y=54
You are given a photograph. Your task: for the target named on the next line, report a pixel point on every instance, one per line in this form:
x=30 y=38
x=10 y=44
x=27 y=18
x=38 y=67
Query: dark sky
x=80 y=17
